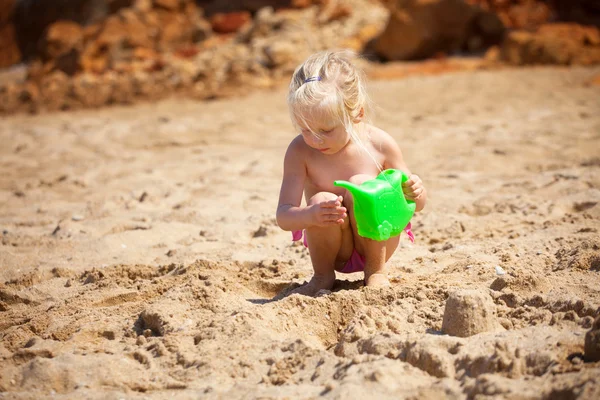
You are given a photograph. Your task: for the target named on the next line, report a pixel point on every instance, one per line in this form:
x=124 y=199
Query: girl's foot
x=316 y=284
x=377 y=280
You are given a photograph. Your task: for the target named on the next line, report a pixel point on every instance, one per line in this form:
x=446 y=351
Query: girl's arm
x=290 y=216
x=413 y=188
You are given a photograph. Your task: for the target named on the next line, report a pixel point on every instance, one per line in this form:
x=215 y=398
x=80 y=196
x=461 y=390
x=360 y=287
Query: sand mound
x=469 y=312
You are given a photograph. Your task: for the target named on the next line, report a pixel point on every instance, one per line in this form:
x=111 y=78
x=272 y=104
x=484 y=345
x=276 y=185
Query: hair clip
x=312 y=79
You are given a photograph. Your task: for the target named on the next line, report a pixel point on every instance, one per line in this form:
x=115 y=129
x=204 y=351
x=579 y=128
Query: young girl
x=328 y=103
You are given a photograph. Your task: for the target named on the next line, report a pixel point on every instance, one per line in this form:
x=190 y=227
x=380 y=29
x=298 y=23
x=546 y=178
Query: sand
x=140 y=257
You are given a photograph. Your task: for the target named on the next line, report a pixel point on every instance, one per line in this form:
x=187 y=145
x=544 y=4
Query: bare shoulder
x=389 y=148
x=297 y=148
x=297 y=144
x=297 y=153
x=382 y=140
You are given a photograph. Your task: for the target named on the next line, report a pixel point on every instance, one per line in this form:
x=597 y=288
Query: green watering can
x=380 y=208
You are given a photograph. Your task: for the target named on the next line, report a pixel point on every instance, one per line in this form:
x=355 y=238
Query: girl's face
x=331 y=135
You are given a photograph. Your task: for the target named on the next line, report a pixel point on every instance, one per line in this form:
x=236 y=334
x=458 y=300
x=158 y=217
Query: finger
x=413 y=180
x=333 y=222
x=413 y=195
x=410 y=195
x=335 y=216
x=415 y=187
x=331 y=204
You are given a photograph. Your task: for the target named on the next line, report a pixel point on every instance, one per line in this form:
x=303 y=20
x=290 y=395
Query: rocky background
x=90 y=53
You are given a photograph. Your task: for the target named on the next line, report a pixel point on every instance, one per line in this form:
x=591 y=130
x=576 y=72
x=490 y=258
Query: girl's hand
x=329 y=212
x=413 y=188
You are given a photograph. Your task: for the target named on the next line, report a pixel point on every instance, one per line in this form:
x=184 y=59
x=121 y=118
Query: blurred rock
x=62 y=46
x=212 y=7
x=54 y=91
x=92 y=91
x=564 y=44
x=6 y=10
x=114 y=41
x=585 y=12
x=529 y=14
x=9 y=49
x=333 y=11
x=124 y=89
x=61 y=38
x=32 y=17
x=142 y=5
x=121 y=51
x=423 y=28
x=230 y=22
x=469 y=312
x=115 y=5
x=9 y=97
x=281 y=53
x=361 y=40
x=172 y=5
x=522 y=14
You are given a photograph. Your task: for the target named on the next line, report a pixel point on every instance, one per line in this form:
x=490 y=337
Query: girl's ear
x=360 y=116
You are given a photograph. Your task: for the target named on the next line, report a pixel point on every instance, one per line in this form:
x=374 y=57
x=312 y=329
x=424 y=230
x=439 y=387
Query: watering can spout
x=351 y=187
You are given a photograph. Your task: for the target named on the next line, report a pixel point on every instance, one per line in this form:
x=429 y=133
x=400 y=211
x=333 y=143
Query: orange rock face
x=62 y=37
x=423 y=28
x=518 y=13
x=172 y=5
x=565 y=44
x=9 y=49
x=229 y=22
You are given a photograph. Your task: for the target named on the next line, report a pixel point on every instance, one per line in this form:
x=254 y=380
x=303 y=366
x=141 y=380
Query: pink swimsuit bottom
x=356 y=262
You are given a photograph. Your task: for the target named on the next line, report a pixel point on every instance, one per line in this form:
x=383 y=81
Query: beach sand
x=140 y=256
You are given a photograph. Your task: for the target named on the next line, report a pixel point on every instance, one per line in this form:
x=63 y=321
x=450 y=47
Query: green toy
x=380 y=208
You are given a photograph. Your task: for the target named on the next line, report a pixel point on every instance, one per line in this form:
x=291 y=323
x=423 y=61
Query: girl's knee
x=321 y=197
x=358 y=179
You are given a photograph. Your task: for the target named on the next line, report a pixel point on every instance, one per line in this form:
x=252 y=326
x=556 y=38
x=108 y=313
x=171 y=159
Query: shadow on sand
x=338 y=286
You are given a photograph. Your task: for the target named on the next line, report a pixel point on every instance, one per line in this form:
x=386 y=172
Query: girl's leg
x=376 y=253
x=376 y=256
x=330 y=247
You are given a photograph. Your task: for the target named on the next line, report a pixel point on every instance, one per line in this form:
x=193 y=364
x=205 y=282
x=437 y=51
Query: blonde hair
x=330 y=81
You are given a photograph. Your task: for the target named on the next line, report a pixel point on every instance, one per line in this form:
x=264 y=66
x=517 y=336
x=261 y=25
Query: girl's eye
x=324 y=131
